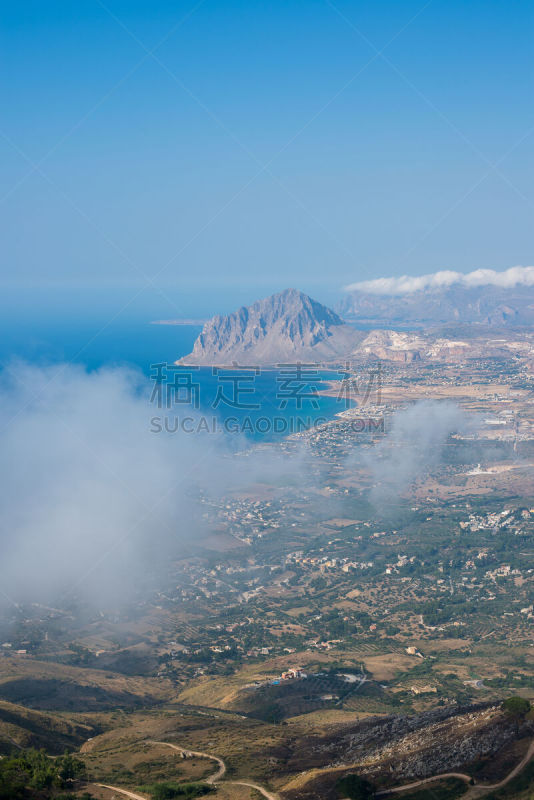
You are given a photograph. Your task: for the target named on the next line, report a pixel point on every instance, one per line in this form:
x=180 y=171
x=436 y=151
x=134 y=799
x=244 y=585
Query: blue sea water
x=266 y=406
x=95 y=343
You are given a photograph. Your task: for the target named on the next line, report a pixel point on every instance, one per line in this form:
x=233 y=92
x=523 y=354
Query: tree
x=69 y=769
x=516 y=707
x=355 y=787
x=34 y=770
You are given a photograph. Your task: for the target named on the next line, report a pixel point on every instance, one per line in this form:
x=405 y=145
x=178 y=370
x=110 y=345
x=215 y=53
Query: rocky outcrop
x=398 y=749
x=462 y=740
x=406 y=744
x=285 y=327
x=393 y=346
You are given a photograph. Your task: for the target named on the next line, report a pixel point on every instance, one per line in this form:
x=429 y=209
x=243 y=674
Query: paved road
x=355 y=688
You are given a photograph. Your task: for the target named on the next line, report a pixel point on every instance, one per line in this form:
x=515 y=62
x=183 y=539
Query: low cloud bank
x=94 y=503
x=92 y=500
x=406 y=284
x=414 y=446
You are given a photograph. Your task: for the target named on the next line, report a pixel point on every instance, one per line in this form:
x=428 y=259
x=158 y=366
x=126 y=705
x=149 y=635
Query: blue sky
x=263 y=144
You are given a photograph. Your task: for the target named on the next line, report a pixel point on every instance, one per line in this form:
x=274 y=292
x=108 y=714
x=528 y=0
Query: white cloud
x=414 y=445
x=94 y=501
x=405 y=284
x=88 y=494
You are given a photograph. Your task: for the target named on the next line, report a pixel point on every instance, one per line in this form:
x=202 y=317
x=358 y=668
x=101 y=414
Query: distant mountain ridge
x=483 y=305
x=287 y=326
x=290 y=327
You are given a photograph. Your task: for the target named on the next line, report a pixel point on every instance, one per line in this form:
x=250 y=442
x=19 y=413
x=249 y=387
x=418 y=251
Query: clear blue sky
x=263 y=144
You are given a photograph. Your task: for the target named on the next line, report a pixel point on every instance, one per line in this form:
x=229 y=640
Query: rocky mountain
x=290 y=326
x=483 y=305
x=285 y=327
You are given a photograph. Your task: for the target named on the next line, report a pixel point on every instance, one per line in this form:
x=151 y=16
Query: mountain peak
x=286 y=326
x=290 y=303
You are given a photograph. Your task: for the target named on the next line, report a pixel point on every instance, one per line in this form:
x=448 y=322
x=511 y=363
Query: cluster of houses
x=324 y=563
x=504 y=571
x=326 y=645
x=494 y=520
x=402 y=561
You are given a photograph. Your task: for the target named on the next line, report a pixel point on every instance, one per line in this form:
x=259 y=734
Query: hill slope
x=22 y=727
x=483 y=305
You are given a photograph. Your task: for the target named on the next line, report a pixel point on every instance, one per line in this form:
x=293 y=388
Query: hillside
x=21 y=727
x=482 y=306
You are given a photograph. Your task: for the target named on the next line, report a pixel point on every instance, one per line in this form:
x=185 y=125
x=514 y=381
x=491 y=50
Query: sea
x=265 y=404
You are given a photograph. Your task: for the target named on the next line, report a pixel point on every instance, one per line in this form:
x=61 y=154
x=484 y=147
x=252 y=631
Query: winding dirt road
x=476 y=790
x=480 y=789
x=126 y=792
x=404 y=788
x=214 y=779
x=260 y=789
